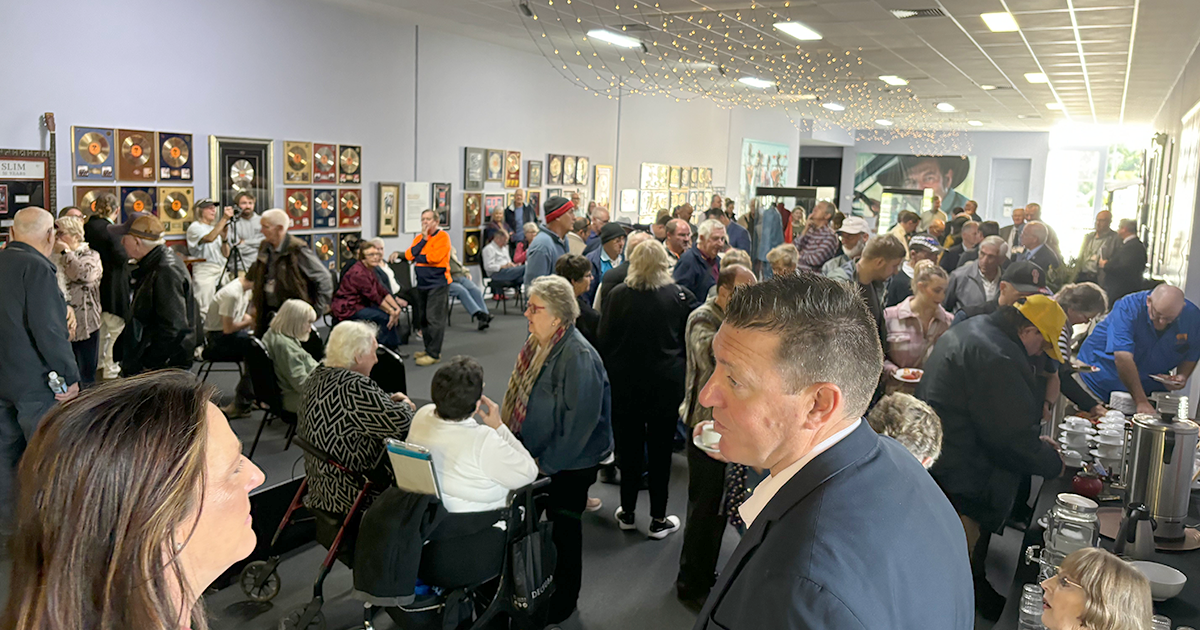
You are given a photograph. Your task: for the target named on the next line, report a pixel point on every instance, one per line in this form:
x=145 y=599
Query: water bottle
x=1031 y=608
x=57 y=384
x=1160 y=622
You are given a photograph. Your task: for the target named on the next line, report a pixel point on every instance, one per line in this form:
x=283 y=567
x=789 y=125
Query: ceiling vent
x=906 y=14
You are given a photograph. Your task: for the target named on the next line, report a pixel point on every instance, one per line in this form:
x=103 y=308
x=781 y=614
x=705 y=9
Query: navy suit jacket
x=860 y=538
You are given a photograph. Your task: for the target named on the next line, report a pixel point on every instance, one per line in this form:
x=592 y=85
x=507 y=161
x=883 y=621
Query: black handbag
x=533 y=560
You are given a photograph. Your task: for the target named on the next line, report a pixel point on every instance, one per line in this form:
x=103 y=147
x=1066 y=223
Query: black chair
x=389 y=372
x=402 y=270
x=267 y=394
x=497 y=288
x=314 y=346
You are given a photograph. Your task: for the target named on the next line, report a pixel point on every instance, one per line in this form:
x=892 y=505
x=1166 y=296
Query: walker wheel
x=250 y=575
x=292 y=621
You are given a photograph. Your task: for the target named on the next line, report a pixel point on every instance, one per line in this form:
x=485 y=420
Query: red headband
x=561 y=210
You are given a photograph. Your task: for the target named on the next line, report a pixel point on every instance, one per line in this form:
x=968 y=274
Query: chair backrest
x=315 y=346
x=389 y=373
x=262 y=376
x=403 y=272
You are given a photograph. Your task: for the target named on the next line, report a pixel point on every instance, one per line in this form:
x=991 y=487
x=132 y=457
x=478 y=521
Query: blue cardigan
x=568 y=423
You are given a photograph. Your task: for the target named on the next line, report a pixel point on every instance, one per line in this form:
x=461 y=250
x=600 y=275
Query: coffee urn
x=1161 y=456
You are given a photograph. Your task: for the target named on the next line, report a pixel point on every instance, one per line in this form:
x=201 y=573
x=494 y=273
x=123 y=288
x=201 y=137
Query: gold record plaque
x=86 y=196
x=473 y=247
x=324 y=163
x=299 y=207
x=135 y=156
x=174 y=157
x=93 y=153
x=297 y=162
x=350 y=207
x=512 y=169
x=325 y=208
x=495 y=165
x=136 y=199
x=325 y=248
x=472 y=208
x=349 y=164
x=175 y=208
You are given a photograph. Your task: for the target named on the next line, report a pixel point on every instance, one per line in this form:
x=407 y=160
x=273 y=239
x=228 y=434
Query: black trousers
x=644 y=418
x=436 y=303
x=87 y=355
x=705 y=524
x=564 y=504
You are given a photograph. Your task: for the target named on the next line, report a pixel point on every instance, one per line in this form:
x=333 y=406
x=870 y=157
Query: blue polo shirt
x=1128 y=329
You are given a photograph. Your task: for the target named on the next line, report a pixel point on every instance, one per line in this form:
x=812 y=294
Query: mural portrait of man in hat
x=941 y=174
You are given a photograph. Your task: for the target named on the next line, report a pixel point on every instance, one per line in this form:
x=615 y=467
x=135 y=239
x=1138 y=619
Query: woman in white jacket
x=477 y=461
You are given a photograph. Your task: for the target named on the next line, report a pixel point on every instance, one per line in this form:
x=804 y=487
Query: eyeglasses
x=1062 y=581
x=534 y=309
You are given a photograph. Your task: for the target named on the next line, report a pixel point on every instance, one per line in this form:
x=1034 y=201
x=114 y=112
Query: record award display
x=137 y=199
x=388 y=197
x=568 y=170
x=512 y=169
x=238 y=165
x=307 y=238
x=93 y=153
x=86 y=196
x=325 y=247
x=299 y=207
x=348 y=248
x=349 y=164
x=555 y=170
x=175 y=208
x=350 y=207
x=603 y=182
x=174 y=157
x=472 y=209
x=297 y=162
x=474 y=168
x=582 y=169
x=533 y=173
x=441 y=203
x=472 y=247
x=324 y=206
x=135 y=156
x=495 y=165
x=324 y=163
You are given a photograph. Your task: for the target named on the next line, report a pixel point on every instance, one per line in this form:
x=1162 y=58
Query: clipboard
x=412 y=466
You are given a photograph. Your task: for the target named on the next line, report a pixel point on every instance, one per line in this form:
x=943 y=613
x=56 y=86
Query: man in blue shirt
x=550 y=241
x=1146 y=335
x=737 y=236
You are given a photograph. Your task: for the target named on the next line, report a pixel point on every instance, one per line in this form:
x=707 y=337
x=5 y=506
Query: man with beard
x=853 y=234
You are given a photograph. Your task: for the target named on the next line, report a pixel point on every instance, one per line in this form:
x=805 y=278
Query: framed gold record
x=175 y=208
x=136 y=159
x=241 y=165
x=512 y=169
x=86 y=196
x=324 y=204
x=472 y=209
x=299 y=207
x=93 y=153
x=325 y=247
x=495 y=165
x=472 y=247
x=349 y=164
x=350 y=207
x=174 y=157
x=324 y=163
x=297 y=162
x=348 y=248
x=137 y=199
x=388 y=220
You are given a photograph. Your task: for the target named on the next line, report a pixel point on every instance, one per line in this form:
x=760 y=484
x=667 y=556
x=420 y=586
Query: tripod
x=235 y=263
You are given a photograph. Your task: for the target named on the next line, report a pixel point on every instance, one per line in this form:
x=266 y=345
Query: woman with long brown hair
x=134 y=497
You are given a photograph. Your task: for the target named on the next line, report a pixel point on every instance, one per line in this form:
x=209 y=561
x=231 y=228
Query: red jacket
x=358 y=289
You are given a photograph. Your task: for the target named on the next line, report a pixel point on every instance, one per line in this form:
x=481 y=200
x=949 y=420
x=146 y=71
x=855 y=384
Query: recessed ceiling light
x=974 y=123
x=616 y=39
x=945 y=107
x=892 y=79
x=836 y=107
x=884 y=122
x=1002 y=22
x=987 y=87
x=756 y=82
x=1036 y=77
x=799 y=31
x=1056 y=106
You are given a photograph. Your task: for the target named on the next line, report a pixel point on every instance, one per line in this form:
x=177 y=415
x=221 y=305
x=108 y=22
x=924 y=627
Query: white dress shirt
x=769 y=486
x=476 y=465
x=495 y=257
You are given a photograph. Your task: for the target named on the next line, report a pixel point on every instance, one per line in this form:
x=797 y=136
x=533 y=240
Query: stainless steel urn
x=1161 y=456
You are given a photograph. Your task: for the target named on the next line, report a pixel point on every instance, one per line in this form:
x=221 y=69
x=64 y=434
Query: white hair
x=707 y=226
x=275 y=216
x=559 y=296
x=530 y=227
x=997 y=242
x=636 y=238
x=294 y=319
x=1036 y=229
x=348 y=341
x=32 y=221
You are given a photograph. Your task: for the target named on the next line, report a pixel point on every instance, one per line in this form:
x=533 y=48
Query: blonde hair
x=736 y=257
x=294 y=319
x=70 y=225
x=1117 y=595
x=926 y=270
x=649 y=267
x=786 y=255
x=348 y=341
x=884 y=247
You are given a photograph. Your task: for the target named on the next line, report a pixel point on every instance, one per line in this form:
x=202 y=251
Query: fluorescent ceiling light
x=1000 y=22
x=1036 y=77
x=945 y=107
x=884 y=122
x=834 y=107
x=974 y=123
x=1056 y=106
x=987 y=87
x=615 y=39
x=799 y=31
x=756 y=82
x=892 y=79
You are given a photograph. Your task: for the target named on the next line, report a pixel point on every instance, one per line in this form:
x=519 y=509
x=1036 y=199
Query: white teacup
x=1075 y=422
x=1075 y=440
x=1072 y=459
x=1109 y=451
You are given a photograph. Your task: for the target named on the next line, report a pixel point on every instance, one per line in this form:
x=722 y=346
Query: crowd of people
x=793 y=335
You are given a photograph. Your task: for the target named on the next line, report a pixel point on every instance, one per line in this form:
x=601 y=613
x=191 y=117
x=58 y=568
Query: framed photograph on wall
x=441 y=203
x=416 y=201
x=490 y=203
x=534 y=198
x=553 y=192
x=568 y=172
x=474 y=169
x=533 y=174
x=388 y=197
x=554 y=175
x=603 y=192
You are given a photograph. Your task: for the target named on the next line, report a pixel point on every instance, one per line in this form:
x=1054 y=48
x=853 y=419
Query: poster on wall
x=950 y=177
x=1179 y=227
x=763 y=164
x=416 y=201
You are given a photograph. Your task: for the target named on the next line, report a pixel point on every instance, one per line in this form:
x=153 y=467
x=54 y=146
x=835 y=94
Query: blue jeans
x=388 y=337
x=469 y=294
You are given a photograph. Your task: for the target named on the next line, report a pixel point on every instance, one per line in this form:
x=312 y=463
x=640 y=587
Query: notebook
x=412 y=465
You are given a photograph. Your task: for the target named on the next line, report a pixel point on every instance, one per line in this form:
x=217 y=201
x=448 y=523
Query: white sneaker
x=661 y=529
x=622 y=522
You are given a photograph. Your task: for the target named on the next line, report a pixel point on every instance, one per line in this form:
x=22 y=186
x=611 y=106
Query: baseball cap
x=139 y=224
x=925 y=242
x=1049 y=318
x=1026 y=277
x=204 y=203
x=854 y=225
x=611 y=231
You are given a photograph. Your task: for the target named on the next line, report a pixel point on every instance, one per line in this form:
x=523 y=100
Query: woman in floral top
x=80 y=271
x=914 y=325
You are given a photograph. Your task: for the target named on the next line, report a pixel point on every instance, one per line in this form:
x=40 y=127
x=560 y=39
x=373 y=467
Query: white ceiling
x=1083 y=46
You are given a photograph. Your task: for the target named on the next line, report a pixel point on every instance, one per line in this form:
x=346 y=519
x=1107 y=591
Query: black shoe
x=483 y=323
x=988 y=602
x=608 y=474
x=692 y=599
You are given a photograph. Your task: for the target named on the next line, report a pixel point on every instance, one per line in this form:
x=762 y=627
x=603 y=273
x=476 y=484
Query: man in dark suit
x=33 y=343
x=969 y=240
x=1123 y=272
x=115 y=289
x=1012 y=233
x=516 y=216
x=849 y=531
x=1037 y=249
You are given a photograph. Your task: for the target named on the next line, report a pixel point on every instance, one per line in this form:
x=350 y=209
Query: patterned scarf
x=525 y=374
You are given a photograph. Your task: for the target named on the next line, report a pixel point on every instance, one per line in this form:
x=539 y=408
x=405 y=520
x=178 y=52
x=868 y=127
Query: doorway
x=1009 y=188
